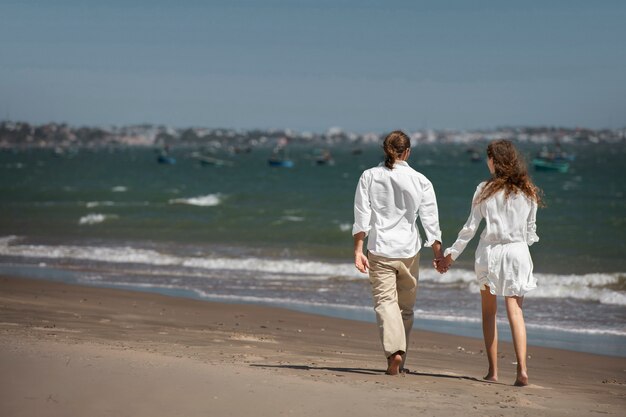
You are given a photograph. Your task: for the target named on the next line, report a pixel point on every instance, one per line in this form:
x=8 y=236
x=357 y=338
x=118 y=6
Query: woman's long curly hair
x=511 y=173
x=395 y=144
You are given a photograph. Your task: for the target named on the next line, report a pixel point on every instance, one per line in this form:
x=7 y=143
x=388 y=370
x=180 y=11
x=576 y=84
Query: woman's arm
x=531 y=225
x=468 y=231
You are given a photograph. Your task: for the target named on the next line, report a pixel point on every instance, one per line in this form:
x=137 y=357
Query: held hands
x=361 y=262
x=442 y=264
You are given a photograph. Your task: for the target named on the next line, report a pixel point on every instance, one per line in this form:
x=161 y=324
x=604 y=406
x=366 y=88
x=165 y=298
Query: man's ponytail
x=395 y=144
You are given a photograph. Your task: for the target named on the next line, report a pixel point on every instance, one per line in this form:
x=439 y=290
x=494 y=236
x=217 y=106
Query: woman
x=388 y=200
x=508 y=203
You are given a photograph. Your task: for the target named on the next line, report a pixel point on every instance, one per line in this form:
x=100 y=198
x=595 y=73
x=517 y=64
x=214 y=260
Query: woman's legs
x=490 y=331
x=518 y=332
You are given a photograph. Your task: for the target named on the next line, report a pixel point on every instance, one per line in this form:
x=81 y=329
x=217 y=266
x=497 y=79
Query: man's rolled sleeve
x=362 y=208
x=429 y=215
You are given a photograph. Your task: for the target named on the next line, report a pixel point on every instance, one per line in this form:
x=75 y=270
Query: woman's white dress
x=503 y=261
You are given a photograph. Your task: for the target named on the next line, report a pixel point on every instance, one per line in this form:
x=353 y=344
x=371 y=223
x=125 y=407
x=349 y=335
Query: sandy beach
x=68 y=350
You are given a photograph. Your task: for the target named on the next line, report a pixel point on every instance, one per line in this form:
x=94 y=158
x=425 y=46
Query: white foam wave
x=17 y=165
x=7 y=240
x=95 y=218
x=92 y=204
x=579 y=292
x=293 y=218
x=453 y=276
x=202 y=201
x=9 y=247
x=578 y=330
x=119 y=189
x=312 y=269
x=591 y=287
x=345 y=227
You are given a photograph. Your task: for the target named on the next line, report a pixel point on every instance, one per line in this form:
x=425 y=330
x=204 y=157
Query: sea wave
x=92 y=204
x=345 y=227
x=605 y=288
x=95 y=218
x=202 y=201
x=293 y=218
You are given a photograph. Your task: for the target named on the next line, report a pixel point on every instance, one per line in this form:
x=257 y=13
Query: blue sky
x=309 y=65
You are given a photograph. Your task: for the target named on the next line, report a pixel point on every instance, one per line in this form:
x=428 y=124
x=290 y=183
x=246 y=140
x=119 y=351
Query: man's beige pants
x=394 y=288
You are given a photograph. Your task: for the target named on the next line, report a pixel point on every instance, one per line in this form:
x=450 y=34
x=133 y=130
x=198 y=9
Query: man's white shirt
x=387 y=204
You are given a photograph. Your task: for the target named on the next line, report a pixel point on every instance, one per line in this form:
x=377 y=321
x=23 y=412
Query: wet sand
x=68 y=350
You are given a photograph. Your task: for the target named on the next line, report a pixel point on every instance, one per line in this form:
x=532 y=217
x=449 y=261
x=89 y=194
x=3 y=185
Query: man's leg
x=408 y=275
x=390 y=324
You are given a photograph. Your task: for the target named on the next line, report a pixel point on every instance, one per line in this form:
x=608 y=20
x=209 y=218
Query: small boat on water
x=550 y=164
x=553 y=160
x=323 y=157
x=280 y=157
x=206 y=160
x=277 y=162
x=166 y=159
x=474 y=154
x=164 y=156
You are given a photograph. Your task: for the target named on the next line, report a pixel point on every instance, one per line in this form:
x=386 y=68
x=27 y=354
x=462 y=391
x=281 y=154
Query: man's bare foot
x=521 y=380
x=393 y=364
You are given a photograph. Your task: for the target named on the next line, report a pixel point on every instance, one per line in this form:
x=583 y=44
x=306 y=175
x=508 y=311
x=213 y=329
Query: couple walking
x=390 y=197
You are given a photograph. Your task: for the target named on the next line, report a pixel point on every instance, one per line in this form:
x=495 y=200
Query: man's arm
x=360 y=260
x=429 y=216
x=438 y=257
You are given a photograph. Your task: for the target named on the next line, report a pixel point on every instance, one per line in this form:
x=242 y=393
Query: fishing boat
x=206 y=160
x=277 y=162
x=475 y=155
x=166 y=159
x=280 y=158
x=323 y=157
x=550 y=164
x=164 y=156
x=553 y=160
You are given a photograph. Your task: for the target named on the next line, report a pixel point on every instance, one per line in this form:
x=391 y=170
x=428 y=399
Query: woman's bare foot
x=393 y=364
x=491 y=377
x=521 y=380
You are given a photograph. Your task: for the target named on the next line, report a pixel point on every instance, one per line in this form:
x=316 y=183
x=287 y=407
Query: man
x=389 y=198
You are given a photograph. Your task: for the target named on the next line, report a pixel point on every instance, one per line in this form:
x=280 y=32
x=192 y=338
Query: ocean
x=245 y=232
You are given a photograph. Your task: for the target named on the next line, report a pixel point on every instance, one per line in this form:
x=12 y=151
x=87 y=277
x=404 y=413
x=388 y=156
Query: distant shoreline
x=61 y=136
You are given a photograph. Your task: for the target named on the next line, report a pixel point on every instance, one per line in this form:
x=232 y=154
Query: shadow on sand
x=364 y=371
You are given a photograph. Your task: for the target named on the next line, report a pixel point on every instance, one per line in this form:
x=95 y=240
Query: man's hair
x=394 y=146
